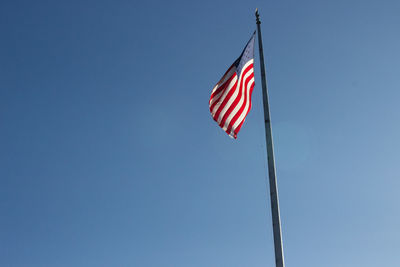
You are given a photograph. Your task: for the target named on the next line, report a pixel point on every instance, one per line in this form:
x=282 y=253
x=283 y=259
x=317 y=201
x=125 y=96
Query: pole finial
x=257 y=16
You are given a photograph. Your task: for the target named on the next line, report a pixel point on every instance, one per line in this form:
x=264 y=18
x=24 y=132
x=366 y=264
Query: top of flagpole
x=258 y=17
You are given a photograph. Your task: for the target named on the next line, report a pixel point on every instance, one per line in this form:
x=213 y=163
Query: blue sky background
x=109 y=156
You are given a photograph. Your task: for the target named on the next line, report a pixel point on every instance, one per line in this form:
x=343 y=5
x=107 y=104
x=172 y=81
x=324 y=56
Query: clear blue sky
x=109 y=156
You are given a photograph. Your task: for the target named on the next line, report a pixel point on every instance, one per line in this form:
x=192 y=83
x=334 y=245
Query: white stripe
x=226 y=91
x=244 y=113
x=240 y=103
x=233 y=97
x=219 y=84
x=242 y=116
x=215 y=98
x=224 y=79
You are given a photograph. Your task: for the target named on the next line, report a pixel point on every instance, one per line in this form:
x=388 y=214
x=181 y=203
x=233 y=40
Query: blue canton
x=247 y=54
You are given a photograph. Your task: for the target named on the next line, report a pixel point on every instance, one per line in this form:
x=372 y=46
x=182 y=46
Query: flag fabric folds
x=230 y=100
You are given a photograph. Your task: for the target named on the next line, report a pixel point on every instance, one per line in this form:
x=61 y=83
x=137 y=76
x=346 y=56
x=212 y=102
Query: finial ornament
x=258 y=17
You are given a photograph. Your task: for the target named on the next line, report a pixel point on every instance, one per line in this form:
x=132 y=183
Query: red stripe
x=221 y=88
x=236 y=131
x=239 y=96
x=240 y=111
x=223 y=77
x=226 y=99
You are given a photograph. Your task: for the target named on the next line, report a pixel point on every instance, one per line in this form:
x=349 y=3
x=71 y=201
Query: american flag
x=230 y=100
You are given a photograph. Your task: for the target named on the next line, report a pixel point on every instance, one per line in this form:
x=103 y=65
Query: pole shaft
x=276 y=222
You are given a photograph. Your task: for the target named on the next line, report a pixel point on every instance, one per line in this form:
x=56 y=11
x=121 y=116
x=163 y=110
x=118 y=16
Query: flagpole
x=273 y=188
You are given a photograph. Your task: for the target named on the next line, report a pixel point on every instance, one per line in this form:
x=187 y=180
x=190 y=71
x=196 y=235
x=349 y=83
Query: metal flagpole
x=276 y=222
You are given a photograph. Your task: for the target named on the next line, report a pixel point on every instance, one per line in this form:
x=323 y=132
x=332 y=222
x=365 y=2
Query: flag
x=230 y=100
